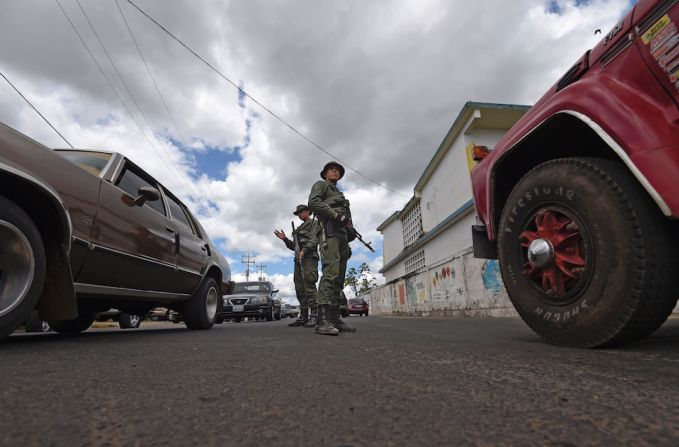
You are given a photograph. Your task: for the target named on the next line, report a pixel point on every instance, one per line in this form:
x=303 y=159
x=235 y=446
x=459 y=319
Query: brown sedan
x=84 y=231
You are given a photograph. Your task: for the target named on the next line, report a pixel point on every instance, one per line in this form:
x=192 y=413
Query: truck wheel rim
x=134 y=320
x=211 y=303
x=17 y=266
x=555 y=257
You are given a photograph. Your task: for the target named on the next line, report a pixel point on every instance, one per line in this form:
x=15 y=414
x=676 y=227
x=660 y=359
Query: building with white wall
x=427 y=245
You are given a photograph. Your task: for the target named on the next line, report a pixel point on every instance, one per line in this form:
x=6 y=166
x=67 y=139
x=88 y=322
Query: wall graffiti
x=492 y=278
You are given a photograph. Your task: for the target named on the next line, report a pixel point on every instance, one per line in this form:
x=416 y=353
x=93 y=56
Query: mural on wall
x=484 y=280
x=417 y=290
x=492 y=278
x=402 y=293
x=446 y=283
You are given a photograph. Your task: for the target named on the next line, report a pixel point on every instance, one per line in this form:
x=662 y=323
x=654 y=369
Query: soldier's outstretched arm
x=316 y=204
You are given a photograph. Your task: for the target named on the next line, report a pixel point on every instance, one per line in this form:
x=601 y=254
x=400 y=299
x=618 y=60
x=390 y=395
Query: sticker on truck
x=663 y=44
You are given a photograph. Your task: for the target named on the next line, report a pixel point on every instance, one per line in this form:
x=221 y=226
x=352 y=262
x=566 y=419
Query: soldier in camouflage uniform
x=308 y=235
x=332 y=210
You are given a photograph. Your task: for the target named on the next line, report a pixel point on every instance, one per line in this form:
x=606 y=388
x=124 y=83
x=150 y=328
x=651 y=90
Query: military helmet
x=299 y=209
x=328 y=165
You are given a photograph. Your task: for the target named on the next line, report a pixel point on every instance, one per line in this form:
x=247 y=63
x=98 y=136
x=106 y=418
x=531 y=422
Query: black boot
x=335 y=320
x=323 y=326
x=302 y=319
x=312 y=318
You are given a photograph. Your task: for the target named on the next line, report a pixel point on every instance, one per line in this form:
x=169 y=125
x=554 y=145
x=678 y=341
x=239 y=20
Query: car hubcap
x=17 y=266
x=134 y=319
x=554 y=251
x=211 y=303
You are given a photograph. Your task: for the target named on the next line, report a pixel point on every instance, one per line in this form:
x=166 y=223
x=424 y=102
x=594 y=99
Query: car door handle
x=170 y=229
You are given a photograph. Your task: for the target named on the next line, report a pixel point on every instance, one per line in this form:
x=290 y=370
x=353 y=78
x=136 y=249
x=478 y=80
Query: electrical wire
x=110 y=83
x=155 y=84
x=36 y=110
x=187 y=184
x=272 y=113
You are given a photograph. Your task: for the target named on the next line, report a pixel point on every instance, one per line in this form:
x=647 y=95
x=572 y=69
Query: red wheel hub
x=558 y=270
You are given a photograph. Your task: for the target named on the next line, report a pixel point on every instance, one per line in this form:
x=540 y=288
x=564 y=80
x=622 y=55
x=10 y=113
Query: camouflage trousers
x=335 y=252
x=306 y=289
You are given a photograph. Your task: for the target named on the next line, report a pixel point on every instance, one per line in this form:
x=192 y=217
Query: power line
x=272 y=113
x=155 y=84
x=110 y=83
x=189 y=185
x=248 y=260
x=36 y=110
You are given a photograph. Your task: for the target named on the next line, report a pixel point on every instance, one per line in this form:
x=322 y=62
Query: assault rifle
x=360 y=238
x=298 y=260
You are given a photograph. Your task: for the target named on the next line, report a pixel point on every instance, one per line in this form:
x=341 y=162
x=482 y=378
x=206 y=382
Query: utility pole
x=248 y=260
x=262 y=271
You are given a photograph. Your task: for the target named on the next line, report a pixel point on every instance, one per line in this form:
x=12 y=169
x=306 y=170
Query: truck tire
x=22 y=266
x=200 y=311
x=128 y=321
x=586 y=257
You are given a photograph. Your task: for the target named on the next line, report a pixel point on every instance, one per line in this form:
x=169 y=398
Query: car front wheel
x=200 y=311
x=22 y=266
x=586 y=256
x=127 y=321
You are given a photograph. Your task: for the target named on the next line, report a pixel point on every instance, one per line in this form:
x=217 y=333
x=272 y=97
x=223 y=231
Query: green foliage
x=360 y=280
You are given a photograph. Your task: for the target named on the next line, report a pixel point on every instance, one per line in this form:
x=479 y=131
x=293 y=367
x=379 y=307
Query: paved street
x=395 y=382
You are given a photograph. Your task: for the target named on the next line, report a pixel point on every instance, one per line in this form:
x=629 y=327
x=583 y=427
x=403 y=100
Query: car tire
x=24 y=264
x=219 y=320
x=128 y=321
x=75 y=326
x=238 y=319
x=271 y=315
x=604 y=268
x=35 y=324
x=200 y=311
x=278 y=315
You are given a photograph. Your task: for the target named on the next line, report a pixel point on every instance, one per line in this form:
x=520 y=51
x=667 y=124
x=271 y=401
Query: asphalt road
x=440 y=381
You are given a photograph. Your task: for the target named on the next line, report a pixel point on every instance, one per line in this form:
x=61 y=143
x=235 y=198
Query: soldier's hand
x=280 y=234
x=342 y=219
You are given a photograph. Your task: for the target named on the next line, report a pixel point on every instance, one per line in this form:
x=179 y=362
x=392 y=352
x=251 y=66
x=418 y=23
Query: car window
x=92 y=162
x=179 y=215
x=130 y=181
x=250 y=287
x=356 y=301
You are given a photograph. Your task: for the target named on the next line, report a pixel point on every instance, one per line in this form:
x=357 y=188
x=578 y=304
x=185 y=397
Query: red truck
x=579 y=200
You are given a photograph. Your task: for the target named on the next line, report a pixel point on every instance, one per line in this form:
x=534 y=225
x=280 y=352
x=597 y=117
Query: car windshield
x=92 y=162
x=250 y=287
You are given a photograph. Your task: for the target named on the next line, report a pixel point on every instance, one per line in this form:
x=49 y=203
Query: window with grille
x=415 y=263
x=412 y=225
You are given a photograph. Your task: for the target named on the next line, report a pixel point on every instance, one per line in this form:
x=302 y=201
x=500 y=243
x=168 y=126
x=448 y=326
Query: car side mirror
x=274 y=291
x=146 y=194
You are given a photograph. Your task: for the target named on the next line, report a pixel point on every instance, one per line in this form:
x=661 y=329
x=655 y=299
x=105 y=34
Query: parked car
x=159 y=314
x=358 y=306
x=343 y=305
x=83 y=231
x=125 y=320
x=580 y=199
x=289 y=311
x=254 y=299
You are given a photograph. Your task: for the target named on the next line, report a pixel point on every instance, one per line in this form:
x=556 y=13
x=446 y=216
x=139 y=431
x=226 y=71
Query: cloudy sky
x=376 y=83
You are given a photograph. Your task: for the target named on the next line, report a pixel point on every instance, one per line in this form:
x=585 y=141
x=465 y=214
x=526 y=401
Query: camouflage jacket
x=309 y=234
x=325 y=200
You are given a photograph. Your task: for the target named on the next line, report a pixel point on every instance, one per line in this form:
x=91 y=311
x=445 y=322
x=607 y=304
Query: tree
x=352 y=279
x=367 y=282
